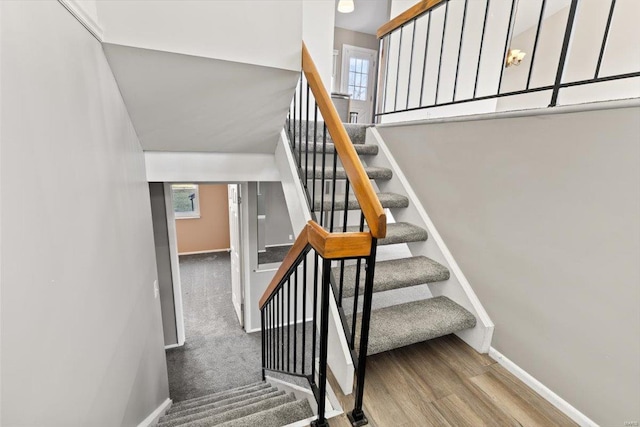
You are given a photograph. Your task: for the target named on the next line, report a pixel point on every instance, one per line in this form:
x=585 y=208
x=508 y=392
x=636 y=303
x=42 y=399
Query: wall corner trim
x=78 y=11
x=546 y=393
x=153 y=417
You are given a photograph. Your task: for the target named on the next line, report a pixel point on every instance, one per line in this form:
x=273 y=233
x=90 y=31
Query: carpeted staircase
x=407 y=323
x=259 y=404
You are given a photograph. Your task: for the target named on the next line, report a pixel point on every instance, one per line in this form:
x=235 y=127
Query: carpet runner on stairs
x=258 y=404
x=402 y=324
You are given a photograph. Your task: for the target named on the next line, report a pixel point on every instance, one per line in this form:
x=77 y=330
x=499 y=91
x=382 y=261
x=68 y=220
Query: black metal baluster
x=563 y=54
x=304 y=312
x=333 y=184
x=282 y=305
x=306 y=146
x=357 y=416
x=357 y=292
x=322 y=181
x=263 y=341
x=289 y=324
x=386 y=73
x=315 y=137
x=395 y=100
x=314 y=318
x=506 y=43
x=484 y=28
x=424 y=64
x=604 y=39
x=344 y=230
x=300 y=123
x=324 y=331
x=444 y=31
x=535 y=43
x=295 y=316
x=413 y=40
x=464 y=22
x=293 y=134
x=277 y=309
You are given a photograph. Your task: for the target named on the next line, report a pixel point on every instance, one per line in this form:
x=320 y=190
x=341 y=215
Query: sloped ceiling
x=187 y=103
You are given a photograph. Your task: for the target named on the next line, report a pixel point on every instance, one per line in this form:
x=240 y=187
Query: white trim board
x=546 y=393
x=153 y=417
x=175 y=264
x=208 y=251
x=479 y=337
x=170 y=346
x=78 y=10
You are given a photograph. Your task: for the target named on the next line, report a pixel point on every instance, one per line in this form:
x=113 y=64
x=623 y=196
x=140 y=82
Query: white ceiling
x=367 y=17
x=188 y=103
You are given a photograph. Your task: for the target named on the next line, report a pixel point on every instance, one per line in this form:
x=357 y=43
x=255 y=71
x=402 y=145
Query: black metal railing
x=335 y=208
x=445 y=28
x=292 y=343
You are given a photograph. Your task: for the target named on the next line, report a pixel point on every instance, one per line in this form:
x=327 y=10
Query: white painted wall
x=163 y=166
x=82 y=340
x=266 y=32
x=318 y=17
x=545 y=227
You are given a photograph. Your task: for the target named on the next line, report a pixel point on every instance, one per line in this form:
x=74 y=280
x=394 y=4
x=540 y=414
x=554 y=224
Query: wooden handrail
x=328 y=245
x=362 y=188
x=406 y=16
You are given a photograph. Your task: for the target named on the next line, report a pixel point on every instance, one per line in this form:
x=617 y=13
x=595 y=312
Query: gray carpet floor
x=218 y=355
x=273 y=254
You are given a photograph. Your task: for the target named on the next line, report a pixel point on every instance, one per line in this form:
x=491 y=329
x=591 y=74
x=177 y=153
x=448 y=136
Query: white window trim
x=189 y=215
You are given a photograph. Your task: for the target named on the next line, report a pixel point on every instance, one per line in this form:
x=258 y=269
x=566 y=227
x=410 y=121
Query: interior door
x=235 y=222
x=357 y=79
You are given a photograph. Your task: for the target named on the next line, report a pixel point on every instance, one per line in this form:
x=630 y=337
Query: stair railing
x=327 y=163
x=411 y=71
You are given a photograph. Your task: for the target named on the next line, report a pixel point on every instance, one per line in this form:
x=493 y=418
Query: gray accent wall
x=163 y=261
x=542 y=214
x=81 y=330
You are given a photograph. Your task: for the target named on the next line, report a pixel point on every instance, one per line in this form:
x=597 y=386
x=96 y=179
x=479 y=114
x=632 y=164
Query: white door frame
x=175 y=265
x=240 y=245
x=344 y=72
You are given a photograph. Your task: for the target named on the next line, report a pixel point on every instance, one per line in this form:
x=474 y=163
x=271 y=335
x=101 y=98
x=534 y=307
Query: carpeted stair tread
x=409 y=323
x=275 y=417
x=215 y=397
x=399 y=232
x=362 y=149
x=394 y=274
x=373 y=172
x=244 y=411
x=176 y=418
x=388 y=200
x=357 y=131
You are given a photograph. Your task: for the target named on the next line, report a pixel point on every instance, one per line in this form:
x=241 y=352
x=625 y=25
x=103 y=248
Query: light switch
x=156 y=289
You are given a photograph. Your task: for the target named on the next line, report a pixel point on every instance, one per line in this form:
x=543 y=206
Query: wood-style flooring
x=444 y=382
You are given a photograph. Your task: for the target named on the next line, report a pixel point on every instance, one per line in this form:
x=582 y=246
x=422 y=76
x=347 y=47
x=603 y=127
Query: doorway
x=357 y=79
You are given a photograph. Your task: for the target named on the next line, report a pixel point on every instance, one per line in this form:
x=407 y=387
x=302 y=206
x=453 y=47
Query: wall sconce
x=514 y=57
x=345 y=6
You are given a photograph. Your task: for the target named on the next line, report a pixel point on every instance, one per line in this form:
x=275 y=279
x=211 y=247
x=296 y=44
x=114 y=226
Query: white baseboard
x=250 y=331
x=180 y=344
x=542 y=390
x=153 y=417
x=209 y=251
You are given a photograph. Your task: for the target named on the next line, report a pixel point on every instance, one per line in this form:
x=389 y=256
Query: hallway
x=217 y=354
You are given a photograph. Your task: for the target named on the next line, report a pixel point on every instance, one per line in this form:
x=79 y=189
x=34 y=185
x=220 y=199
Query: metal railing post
x=324 y=332
x=563 y=54
x=357 y=416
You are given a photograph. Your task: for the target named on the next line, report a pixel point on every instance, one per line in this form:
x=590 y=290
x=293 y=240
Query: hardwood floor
x=444 y=382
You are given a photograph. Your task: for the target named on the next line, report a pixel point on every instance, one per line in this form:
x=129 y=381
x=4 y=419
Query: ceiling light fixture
x=515 y=57
x=346 y=6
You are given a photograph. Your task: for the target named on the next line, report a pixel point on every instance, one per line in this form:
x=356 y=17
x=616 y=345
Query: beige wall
x=210 y=232
x=343 y=36
x=542 y=214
